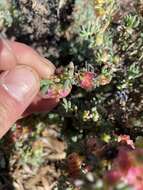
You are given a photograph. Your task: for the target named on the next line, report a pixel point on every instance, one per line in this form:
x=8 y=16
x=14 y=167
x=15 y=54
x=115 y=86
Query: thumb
x=18 y=87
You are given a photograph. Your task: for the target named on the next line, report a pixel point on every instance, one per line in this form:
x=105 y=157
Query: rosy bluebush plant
x=127 y=168
x=60 y=85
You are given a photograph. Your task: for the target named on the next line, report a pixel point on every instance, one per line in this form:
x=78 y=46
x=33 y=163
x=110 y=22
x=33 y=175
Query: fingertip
x=27 y=56
x=50 y=67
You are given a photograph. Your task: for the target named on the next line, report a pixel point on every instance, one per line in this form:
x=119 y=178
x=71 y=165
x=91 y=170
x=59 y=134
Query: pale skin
x=21 y=69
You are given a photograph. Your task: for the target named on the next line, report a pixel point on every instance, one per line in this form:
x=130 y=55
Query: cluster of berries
x=127 y=168
x=60 y=85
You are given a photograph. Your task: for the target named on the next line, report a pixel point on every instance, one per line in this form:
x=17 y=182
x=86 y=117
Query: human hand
x=21 y=69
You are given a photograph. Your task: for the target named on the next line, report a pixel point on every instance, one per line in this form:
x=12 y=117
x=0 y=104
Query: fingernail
x=50 y=65
x=20 y=83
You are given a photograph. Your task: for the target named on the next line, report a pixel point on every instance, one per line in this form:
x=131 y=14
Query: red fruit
x=113 y=176
x=126 y=140
x=86 y=81
x=124 y=160
x=134 y=177
x=64 y=92
x=56 y=92
x=127 y=167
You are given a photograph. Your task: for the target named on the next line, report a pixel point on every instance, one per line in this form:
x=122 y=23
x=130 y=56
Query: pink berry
x=86 y=81
x=113 y=176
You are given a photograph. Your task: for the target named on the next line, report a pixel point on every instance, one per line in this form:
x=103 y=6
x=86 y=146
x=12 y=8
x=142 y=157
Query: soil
x=40 y=25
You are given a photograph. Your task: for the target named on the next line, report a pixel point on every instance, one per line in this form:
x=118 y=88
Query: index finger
x=14 y=53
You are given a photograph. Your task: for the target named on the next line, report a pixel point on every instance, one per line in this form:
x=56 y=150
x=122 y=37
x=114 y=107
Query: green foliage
x=30 y=153
x=8 y=14
x=131 y=22
x=32 y=157
x=134 y=71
